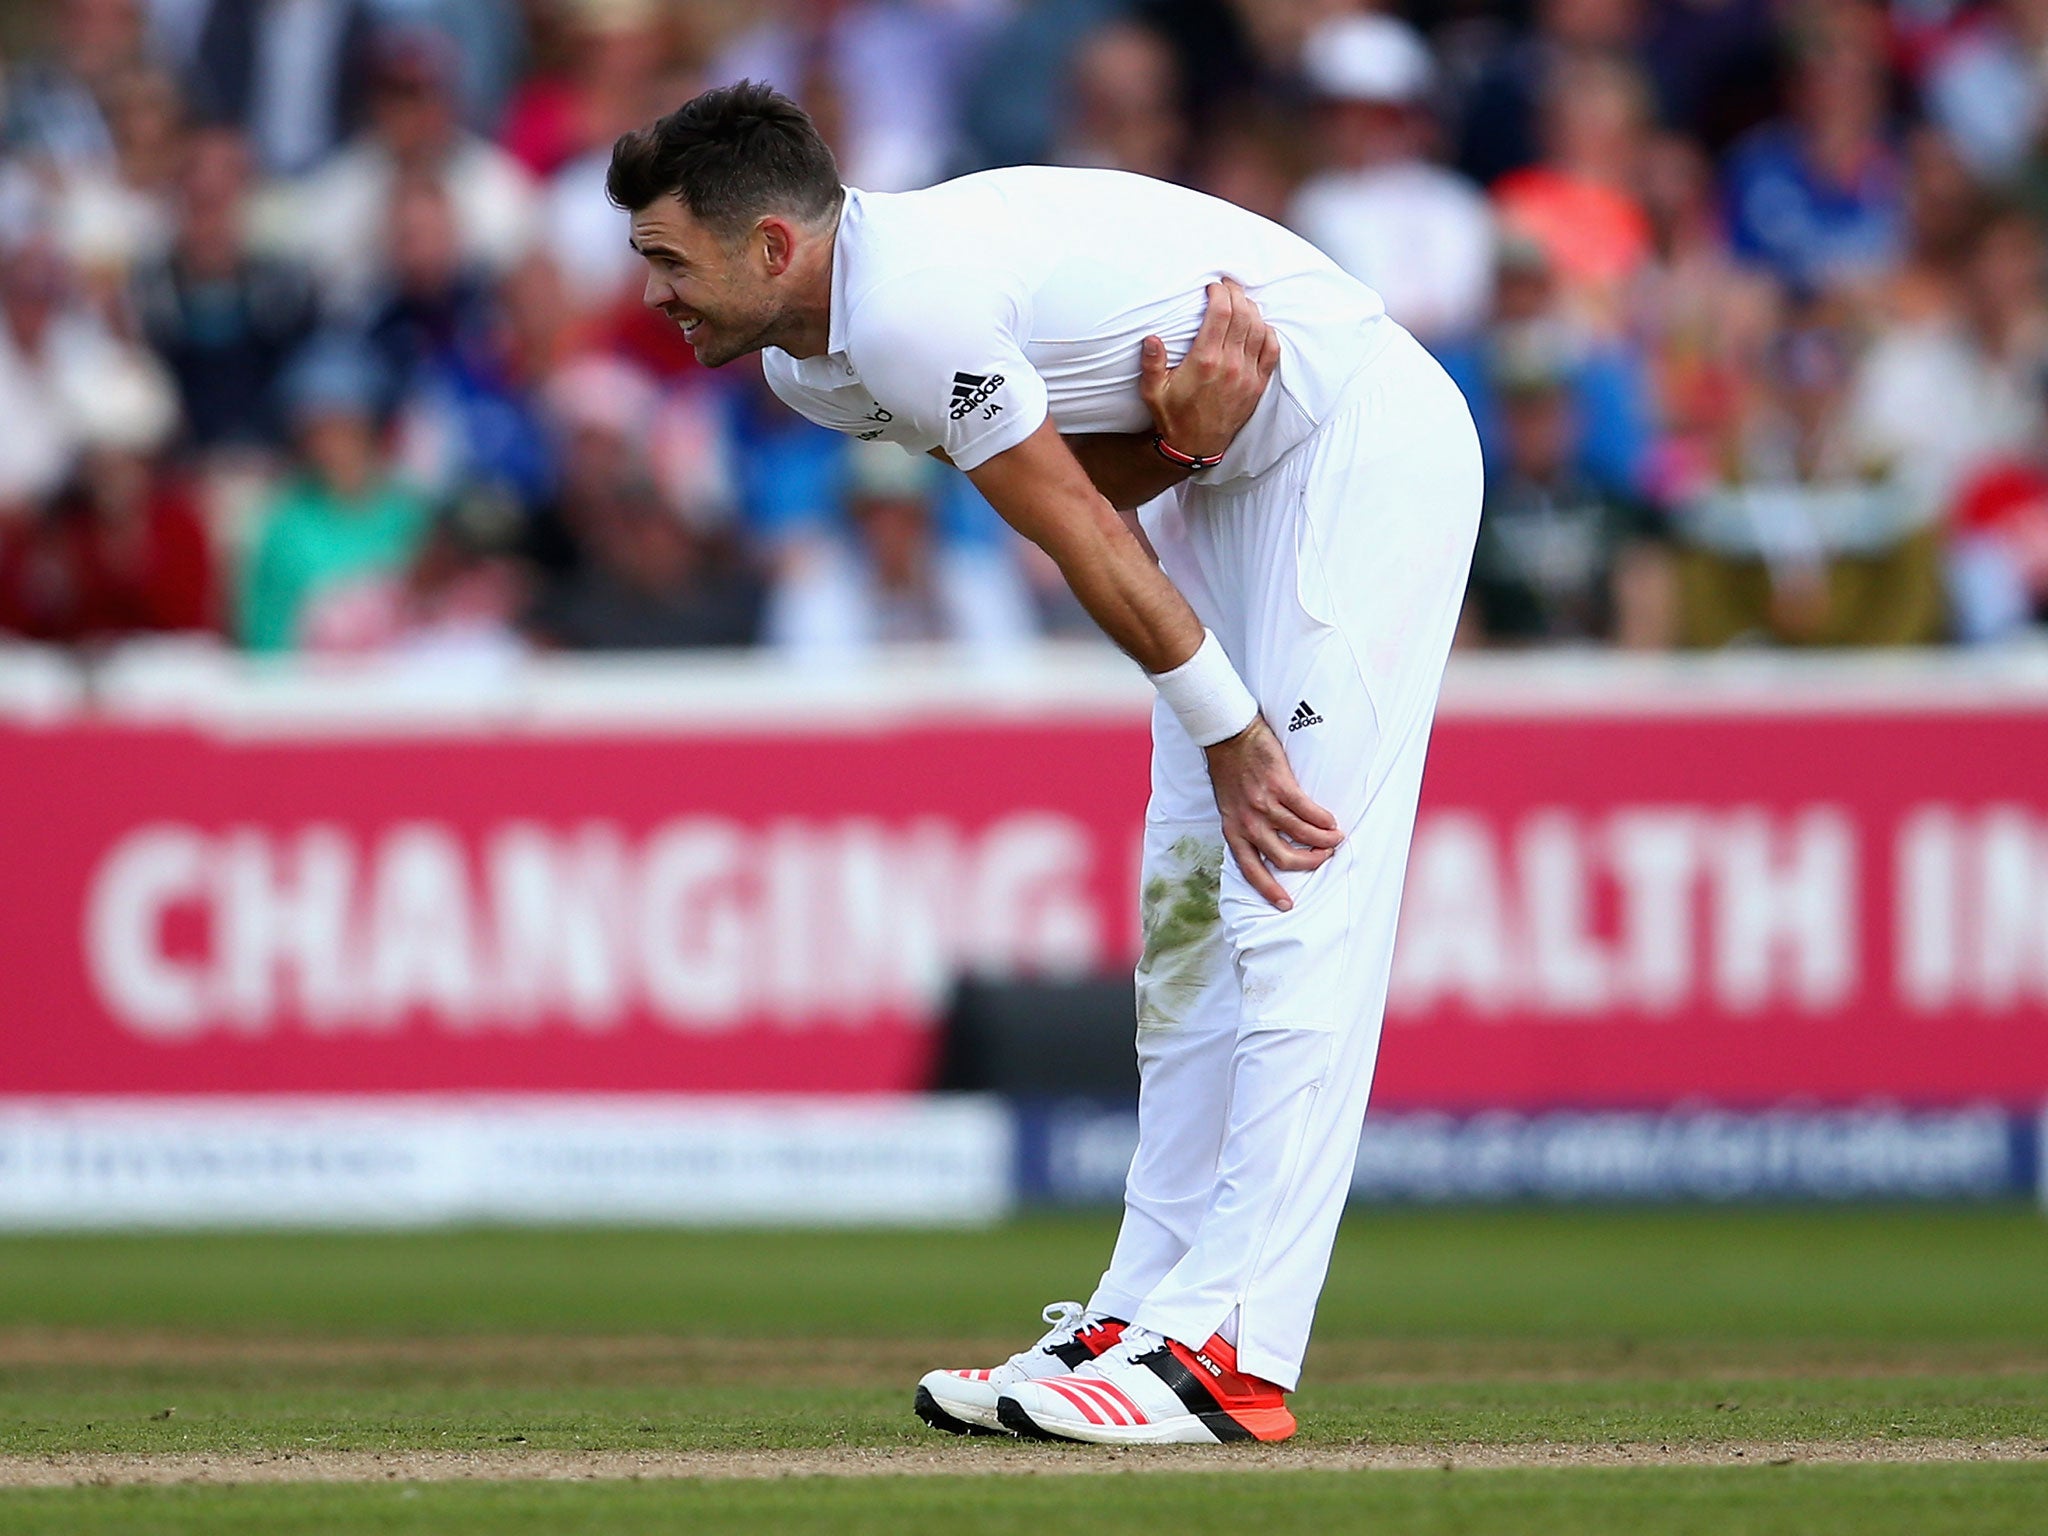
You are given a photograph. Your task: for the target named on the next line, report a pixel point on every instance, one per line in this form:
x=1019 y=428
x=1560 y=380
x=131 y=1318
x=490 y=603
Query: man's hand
x=1268 y=819
x=1200 y=405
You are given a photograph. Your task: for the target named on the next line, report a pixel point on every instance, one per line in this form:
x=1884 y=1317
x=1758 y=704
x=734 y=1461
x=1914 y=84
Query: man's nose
x=655 y=291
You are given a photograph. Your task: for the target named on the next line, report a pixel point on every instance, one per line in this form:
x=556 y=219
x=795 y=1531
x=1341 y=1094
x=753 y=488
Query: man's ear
x=778 y=244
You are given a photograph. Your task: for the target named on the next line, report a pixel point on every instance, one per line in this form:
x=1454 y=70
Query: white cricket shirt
x=963 y=314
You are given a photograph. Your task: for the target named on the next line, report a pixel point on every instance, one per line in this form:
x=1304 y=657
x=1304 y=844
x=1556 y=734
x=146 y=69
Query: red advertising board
x=1606 y=906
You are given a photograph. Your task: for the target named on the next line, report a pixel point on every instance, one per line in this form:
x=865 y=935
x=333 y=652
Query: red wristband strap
x=1187 y=461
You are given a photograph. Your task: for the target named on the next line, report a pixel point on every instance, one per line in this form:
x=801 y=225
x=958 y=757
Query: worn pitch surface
x=1769 y=1369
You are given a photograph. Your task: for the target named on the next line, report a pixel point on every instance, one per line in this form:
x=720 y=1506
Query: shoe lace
x=1136 y=1342
x=1066 y=1318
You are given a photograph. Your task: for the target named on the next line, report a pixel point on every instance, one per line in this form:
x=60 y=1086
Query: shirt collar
x=849 y=218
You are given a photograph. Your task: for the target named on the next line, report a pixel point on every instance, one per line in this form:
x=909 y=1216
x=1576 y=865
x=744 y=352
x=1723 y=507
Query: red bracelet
x=1188 y=461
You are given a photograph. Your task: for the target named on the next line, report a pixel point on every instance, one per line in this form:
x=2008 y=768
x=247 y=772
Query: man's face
x=414 y=112
x=721 y=295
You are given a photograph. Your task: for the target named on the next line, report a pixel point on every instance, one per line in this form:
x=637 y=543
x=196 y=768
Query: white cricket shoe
x=1150 y=1391
x=964 y=1402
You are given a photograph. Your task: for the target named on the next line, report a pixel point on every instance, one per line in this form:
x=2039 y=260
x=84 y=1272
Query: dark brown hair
x=730 y=156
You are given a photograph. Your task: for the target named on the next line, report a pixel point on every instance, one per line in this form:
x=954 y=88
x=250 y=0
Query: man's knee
x=1185 y=955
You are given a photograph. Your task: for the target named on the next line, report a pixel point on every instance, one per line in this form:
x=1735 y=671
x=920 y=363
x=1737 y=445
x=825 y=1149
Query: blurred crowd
x=317 y=333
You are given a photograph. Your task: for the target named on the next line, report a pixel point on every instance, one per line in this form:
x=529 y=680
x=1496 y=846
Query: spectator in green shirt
x=342 y=518
x=1560 y=558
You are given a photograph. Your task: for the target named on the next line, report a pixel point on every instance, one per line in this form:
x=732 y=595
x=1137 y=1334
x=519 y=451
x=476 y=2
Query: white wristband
x=1207 y=695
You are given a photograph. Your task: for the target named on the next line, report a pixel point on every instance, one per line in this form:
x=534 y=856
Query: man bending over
x=1068 y=339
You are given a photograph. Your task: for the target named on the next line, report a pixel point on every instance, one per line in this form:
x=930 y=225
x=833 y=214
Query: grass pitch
x=1748 y=1345
x=1811 y=1501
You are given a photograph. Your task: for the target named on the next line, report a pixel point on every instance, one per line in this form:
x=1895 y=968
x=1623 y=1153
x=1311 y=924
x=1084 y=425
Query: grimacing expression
x=719 y=294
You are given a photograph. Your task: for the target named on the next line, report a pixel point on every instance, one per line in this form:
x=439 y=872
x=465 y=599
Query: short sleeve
x=946 y=356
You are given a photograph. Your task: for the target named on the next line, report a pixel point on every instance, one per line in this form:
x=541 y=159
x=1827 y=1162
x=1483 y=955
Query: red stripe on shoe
x=1138 y=1415
x=1121 y=1409
x=1079 y=1399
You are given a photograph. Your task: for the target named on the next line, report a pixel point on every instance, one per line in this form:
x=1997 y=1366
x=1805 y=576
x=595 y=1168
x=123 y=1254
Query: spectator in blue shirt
x=1817 y=197
x=1605 y=378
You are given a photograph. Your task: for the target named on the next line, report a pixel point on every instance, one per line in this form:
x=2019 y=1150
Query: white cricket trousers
x=1334 y=582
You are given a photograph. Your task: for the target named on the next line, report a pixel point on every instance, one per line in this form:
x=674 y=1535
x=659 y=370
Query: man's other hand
x=1202 y=403
x=1269 y=822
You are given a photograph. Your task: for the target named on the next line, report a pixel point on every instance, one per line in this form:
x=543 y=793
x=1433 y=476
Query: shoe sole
x=926 y=1407
x=1269 y=1425
x=1011 y=1415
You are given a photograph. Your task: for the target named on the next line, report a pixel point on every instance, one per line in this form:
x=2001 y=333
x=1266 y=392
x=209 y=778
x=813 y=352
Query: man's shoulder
x=986 y=230
x=919 y=307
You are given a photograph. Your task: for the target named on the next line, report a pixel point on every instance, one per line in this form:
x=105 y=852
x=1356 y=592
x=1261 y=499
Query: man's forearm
x=1125 y=467
x=1040 y=491
x=1127 y=594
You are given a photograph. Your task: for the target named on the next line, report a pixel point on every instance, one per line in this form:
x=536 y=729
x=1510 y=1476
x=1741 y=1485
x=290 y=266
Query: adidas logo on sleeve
x=973 y=389
x=1303 y=717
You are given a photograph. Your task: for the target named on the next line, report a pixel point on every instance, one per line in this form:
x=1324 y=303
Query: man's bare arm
x=1125 y=467
x=1199 y=406
x=1041 y=490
